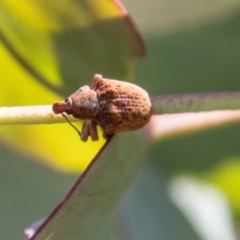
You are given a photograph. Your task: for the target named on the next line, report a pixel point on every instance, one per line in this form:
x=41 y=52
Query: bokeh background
x=192 y=46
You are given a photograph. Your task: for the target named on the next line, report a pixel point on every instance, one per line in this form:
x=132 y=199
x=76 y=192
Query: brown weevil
x=115 y=106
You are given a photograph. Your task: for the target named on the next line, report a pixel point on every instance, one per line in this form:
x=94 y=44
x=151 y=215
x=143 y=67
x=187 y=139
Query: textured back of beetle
x=123 y=106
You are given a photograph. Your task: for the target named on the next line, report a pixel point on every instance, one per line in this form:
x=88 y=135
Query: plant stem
x=199 y=102
x=30 y=115
x=178 y=103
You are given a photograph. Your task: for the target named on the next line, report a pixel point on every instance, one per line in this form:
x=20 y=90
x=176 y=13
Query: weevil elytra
x=115 y=106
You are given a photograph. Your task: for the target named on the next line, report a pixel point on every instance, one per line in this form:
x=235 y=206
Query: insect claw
x=80 y=135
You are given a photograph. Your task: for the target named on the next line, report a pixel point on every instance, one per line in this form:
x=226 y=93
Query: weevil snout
x=64 y=106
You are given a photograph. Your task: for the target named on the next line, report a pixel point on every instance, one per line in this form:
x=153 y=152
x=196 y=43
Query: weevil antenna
x=79 y=133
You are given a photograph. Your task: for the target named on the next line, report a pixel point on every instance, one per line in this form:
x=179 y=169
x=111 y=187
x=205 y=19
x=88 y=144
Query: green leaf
x=89 y=203
x=226 y=176
x=53 y=48
x=205 y=207
x=67 y=42
x=148 y=210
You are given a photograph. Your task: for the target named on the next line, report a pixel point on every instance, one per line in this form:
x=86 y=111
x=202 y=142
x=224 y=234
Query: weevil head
x=82 y=104
x=85 y=103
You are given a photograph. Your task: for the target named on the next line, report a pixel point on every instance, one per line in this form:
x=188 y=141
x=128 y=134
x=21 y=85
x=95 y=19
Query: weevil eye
x=68 y=107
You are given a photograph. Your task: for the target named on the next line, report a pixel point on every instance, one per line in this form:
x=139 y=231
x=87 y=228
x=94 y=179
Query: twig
x=178 y=103
x=30 y=115
x=199 y=102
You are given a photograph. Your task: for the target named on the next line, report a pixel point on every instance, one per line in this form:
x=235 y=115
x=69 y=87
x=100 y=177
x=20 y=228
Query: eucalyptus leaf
x=50 y=48
x=87 y=206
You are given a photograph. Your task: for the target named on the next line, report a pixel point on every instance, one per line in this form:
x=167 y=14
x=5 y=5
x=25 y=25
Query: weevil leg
x=93 y=130
x=89 y=129
x=85 y=132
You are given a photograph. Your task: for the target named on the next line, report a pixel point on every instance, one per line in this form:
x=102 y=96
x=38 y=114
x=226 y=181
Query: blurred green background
x=192 y=46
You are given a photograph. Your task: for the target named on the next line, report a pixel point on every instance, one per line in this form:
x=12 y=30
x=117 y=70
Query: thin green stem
x=199 y=102
x=30 y=115
x=178 y=103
